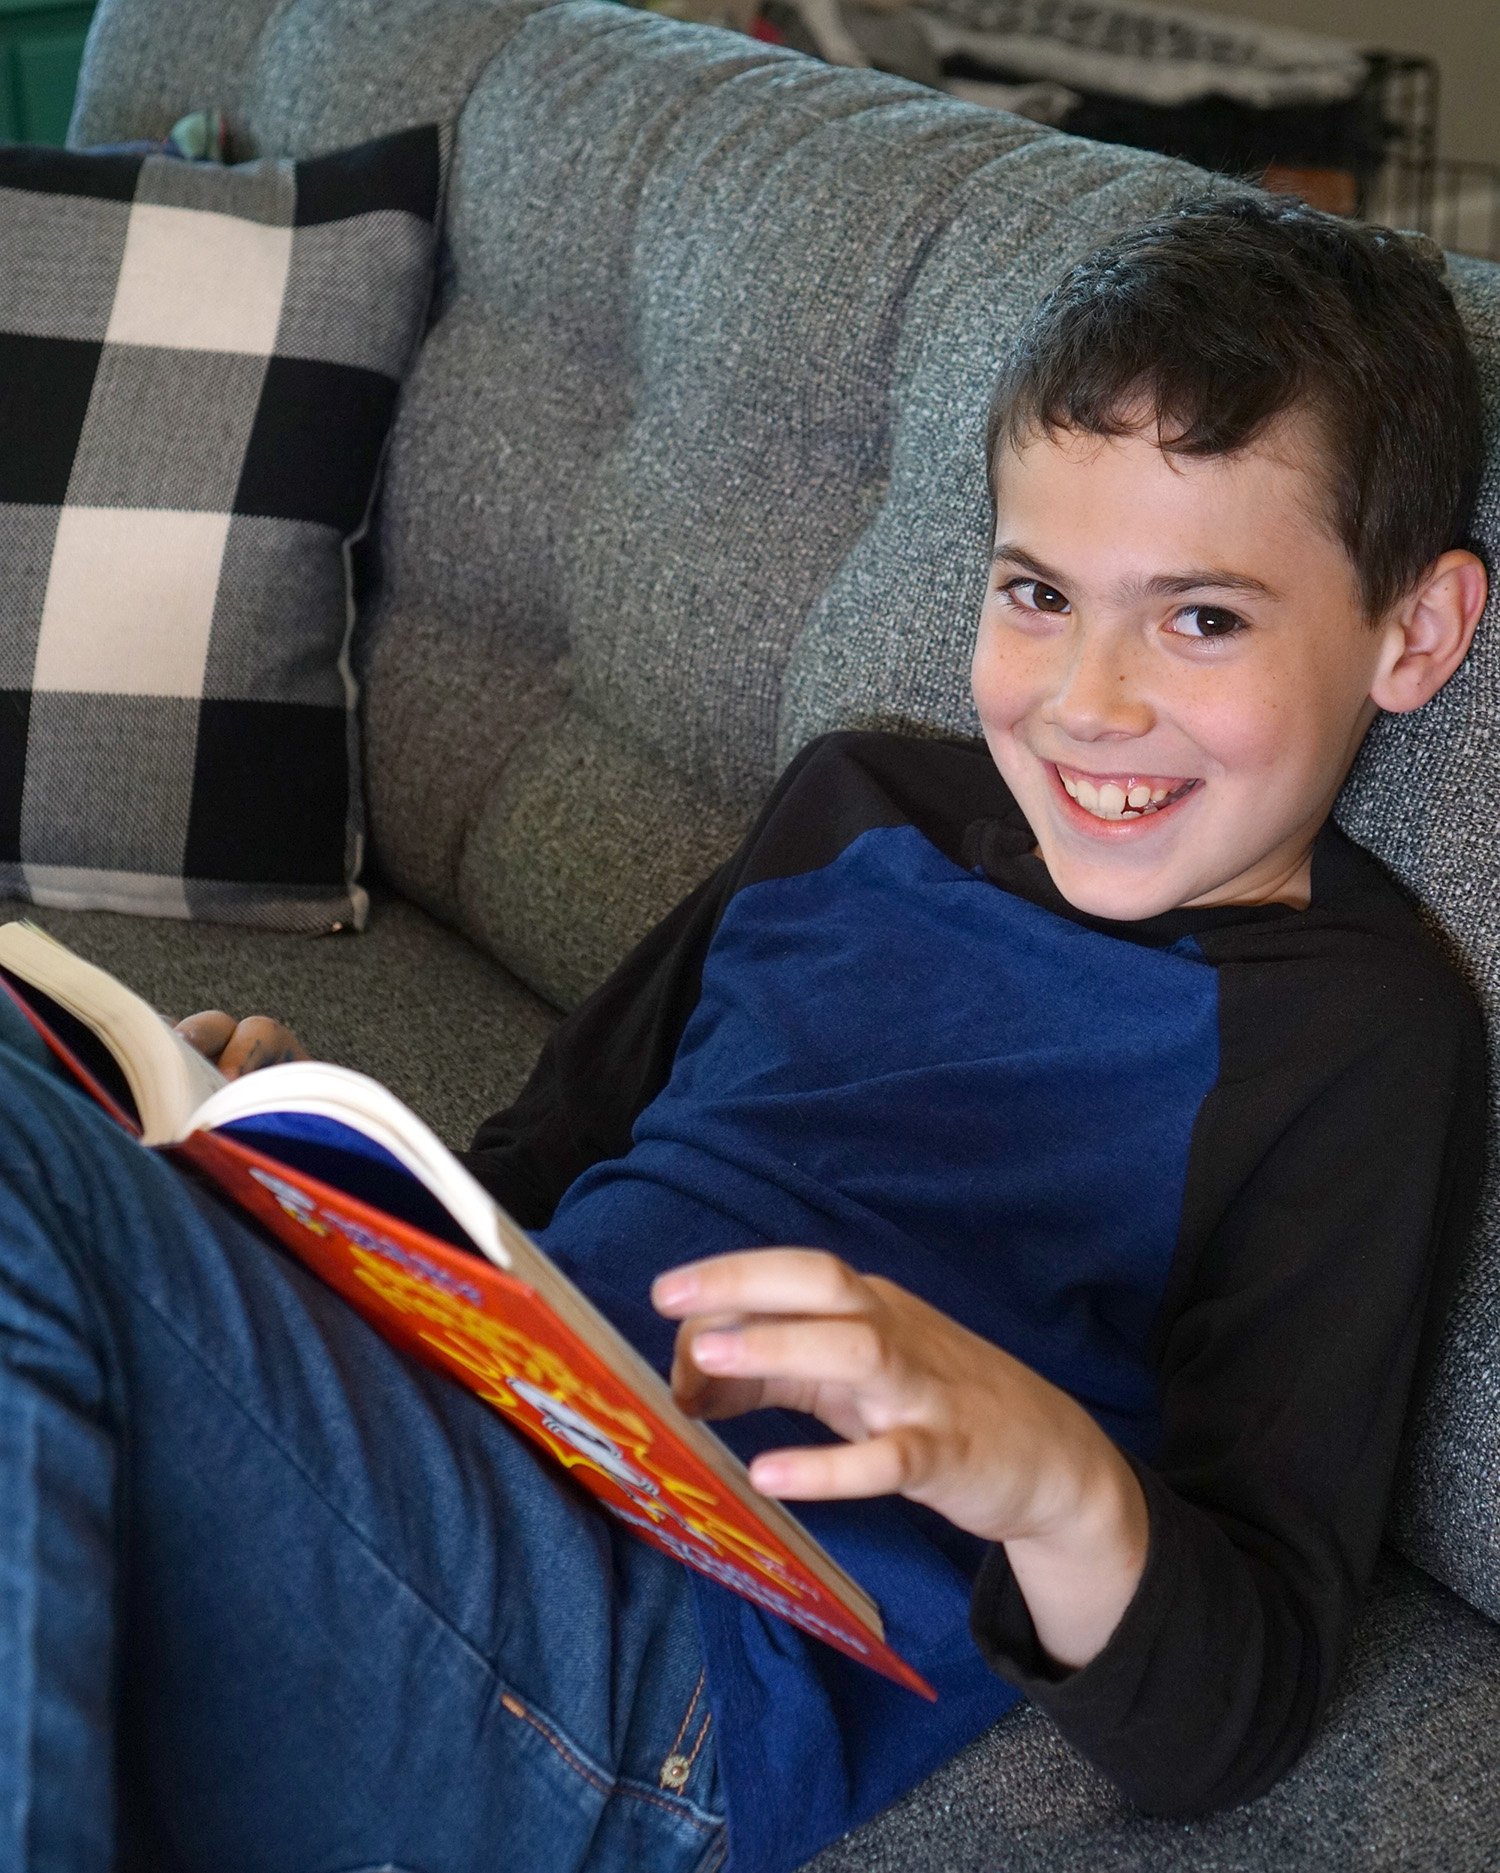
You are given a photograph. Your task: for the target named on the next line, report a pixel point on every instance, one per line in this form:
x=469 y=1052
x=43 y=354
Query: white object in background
x=1153 y=53
x=825 y=26
x=1042 y=102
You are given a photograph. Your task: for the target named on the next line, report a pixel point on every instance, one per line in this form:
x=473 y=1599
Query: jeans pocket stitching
x=546 y=1731
x=674 y=1769
x=678 y=1806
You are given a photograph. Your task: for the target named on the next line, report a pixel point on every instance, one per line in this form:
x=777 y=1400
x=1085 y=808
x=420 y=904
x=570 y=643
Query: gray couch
x=689 y=470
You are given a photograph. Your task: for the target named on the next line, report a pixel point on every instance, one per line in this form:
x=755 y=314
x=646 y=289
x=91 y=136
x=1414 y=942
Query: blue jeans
x=273 y=1597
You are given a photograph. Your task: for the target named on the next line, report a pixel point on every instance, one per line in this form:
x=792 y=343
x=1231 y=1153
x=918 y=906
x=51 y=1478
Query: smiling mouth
x=1123 y=796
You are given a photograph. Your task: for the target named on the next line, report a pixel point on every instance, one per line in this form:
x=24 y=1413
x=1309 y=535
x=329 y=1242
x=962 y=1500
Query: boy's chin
x=1122 y=893
x=1112 y=893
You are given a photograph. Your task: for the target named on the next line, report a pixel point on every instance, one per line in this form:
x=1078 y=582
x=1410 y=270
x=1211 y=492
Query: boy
x=1072 y=1125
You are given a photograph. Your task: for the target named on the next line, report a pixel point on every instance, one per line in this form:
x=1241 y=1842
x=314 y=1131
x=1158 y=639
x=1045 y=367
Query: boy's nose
x=1098 y=696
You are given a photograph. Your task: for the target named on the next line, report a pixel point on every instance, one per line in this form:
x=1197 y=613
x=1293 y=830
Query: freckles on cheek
x=1004 y=681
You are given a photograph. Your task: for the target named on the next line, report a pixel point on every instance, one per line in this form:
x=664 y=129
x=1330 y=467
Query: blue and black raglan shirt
x=1204 y=1171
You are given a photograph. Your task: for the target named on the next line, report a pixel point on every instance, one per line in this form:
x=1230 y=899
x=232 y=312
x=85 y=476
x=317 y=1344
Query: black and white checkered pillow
x=198 y=368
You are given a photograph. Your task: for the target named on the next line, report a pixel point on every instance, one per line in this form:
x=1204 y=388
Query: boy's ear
x=1430 y=631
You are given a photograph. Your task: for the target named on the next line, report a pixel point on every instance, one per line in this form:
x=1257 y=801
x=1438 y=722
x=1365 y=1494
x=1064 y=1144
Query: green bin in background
x=41 y=44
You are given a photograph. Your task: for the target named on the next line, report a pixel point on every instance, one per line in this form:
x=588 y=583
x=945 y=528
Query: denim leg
x=273 y=1597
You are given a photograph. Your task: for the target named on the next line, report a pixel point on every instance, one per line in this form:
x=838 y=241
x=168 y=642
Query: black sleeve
x=605 y=1062
x=1287 y=1348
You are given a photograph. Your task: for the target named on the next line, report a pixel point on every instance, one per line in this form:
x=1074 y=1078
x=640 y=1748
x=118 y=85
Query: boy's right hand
x=237 y=1047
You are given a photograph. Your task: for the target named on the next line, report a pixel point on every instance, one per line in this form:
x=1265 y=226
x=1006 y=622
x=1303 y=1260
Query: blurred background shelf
x=1457 y=202
x=1351 y=129
x=1373 y=151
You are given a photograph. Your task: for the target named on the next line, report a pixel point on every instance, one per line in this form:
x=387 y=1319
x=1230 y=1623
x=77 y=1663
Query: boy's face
x=1172 y=670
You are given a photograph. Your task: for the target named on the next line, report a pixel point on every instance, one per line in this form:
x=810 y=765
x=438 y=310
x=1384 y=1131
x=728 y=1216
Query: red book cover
x=493 y=1332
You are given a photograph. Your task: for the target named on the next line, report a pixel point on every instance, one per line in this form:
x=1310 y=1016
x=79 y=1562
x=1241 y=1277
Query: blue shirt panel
x=897 y=1060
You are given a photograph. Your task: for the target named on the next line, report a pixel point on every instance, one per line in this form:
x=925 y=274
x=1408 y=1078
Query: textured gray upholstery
x=1419 y=797
x=408 y=1001
x=1402 y=1776
x=689 y=470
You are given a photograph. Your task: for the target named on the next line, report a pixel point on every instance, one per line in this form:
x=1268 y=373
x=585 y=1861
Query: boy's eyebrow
x=1159 y=585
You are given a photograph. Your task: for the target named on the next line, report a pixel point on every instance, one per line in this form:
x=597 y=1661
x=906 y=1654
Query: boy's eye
x=1032 y=595
x=1207 y=621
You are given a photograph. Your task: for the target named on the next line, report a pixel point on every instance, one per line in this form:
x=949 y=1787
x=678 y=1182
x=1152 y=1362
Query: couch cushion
x=672 y=479
x=409 y=1002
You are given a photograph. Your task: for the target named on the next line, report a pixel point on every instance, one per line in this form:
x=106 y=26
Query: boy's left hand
x=930 y=1410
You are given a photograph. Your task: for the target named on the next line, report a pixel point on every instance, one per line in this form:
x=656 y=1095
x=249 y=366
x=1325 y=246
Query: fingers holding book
x=241 y=1046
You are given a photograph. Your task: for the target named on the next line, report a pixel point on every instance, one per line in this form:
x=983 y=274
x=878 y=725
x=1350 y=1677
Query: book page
x=323 y=1090
x=167 y=1077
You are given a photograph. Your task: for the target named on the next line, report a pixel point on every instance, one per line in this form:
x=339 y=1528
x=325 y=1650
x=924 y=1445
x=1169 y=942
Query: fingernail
x=676 y=1289
x=767 y=1475
x=716 y=1351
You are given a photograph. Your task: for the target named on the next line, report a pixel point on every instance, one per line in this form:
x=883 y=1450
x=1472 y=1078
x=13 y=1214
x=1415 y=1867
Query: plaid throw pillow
x=198 y=368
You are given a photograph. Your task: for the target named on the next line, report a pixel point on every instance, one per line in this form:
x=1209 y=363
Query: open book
x=364 y=1193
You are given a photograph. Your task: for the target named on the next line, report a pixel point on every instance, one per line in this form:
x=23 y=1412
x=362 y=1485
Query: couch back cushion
x=690 y=470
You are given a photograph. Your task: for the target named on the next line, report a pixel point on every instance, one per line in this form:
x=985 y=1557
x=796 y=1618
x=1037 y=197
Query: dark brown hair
x=1233 y=310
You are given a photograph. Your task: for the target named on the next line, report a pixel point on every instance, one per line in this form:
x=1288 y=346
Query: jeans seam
x=687 y=1715
x=716 y=1854
x=599 y=1783
x=98 y=1330
x=701 y=1738
x=381 y=1562
x=602 y=1784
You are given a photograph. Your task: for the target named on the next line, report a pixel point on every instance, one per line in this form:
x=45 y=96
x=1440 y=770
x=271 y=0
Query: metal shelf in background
x=1456 y=202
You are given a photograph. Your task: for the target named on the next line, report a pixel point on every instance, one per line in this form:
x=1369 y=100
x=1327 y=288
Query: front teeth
x=1111 y=801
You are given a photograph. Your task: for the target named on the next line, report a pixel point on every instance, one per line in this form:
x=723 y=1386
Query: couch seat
x=1399 y=1779
x=406 y=1000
